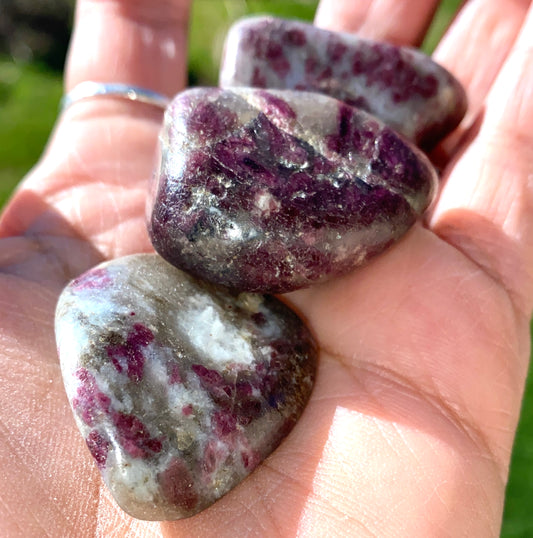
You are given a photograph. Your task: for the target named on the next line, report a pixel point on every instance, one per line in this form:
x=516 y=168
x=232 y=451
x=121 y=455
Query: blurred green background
x=33 y=40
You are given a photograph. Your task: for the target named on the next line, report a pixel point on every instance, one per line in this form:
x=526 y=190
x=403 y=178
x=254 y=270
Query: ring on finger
x=91 y=89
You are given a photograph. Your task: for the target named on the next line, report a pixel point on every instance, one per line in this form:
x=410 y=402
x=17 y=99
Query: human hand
x=423 y=352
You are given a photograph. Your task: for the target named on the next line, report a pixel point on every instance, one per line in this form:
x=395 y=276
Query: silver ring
x=90 y=89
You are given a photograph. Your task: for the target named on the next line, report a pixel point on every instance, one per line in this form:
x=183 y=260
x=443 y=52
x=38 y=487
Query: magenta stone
x=274 y=190
x=179 y=387
x=400 y=85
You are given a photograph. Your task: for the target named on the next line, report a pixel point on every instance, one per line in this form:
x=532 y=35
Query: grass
x=29 y=97
x=518 y=516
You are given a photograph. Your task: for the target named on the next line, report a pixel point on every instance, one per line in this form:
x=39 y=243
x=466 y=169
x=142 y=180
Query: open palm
x=423 y=352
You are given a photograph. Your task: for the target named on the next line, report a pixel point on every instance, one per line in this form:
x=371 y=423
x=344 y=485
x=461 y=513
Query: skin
x=424 y=352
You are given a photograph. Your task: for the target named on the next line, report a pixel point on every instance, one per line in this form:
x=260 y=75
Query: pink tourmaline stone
x=274 y=190
x=400 y=85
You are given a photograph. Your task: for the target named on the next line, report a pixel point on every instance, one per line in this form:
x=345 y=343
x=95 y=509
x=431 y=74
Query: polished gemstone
x=274 y=190
x=179 y=388
x=400 y=85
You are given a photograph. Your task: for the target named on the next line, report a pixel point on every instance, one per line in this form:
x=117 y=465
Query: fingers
x=138 y=42
x=475 y=47
x=509 y=103
x=486 y=207
x=401 y=23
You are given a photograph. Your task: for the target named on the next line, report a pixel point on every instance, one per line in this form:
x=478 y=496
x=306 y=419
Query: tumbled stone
x=179 y=388
x=400 y=85
x=274 y=190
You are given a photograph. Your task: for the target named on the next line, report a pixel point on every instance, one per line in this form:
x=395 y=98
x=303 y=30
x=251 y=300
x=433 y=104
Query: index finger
x=401 y=23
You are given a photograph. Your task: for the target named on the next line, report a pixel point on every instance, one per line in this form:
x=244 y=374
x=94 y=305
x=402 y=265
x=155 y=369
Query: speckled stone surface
x=179 y=388
x=400 y=85
x=274 y=190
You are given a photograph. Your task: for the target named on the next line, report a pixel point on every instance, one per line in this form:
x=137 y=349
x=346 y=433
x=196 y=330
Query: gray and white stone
x=179 y=388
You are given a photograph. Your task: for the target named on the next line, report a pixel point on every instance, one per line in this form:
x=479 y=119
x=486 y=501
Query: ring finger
x=136 y=42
